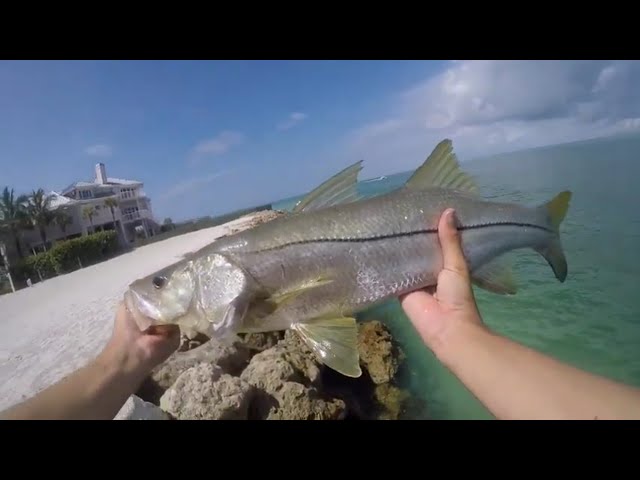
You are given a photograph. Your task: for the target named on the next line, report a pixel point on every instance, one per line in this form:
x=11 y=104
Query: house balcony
x=140 y=214
x=132 y=195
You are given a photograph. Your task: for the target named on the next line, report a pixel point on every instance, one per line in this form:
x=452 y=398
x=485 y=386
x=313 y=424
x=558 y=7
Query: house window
x=127 y=193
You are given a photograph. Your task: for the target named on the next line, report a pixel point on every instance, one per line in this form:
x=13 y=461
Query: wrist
x=118 y=363
x=455 y=341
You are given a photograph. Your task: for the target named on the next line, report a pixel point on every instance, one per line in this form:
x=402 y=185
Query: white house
x=106 y=203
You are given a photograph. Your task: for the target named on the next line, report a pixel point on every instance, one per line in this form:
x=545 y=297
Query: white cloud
x=292 y=120
x=100 y=150
x=190 y=185
x=218 y=145
x=491 y=106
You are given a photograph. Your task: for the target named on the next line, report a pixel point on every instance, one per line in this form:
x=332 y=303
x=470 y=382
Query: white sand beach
x=57 y=326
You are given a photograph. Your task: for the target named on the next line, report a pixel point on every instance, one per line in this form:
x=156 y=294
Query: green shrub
x=65 y=256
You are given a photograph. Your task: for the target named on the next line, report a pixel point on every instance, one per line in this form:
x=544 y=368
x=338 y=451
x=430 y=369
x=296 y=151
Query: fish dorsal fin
x=441 y=169
x=341 y=188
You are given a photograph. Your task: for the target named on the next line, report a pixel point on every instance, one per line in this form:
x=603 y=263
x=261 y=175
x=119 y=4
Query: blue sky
x=208 y=137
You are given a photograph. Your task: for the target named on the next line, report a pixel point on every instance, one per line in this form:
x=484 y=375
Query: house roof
x=57 y=200
x=94 y=184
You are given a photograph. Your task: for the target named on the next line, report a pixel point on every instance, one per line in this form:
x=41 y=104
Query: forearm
x=96 y=391
x=515 y=382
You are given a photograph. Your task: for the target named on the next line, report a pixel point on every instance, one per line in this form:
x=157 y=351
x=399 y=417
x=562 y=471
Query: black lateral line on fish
x=401 y=234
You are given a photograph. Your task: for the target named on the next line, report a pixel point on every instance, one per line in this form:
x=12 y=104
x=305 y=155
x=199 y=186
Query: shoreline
x=55 y=327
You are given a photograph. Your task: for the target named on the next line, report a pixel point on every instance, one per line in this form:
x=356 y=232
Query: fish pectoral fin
x=496 y=276
x=285 y=296
x=265 y=304
x=441 y=169
x=339 y=189
x=335 y=343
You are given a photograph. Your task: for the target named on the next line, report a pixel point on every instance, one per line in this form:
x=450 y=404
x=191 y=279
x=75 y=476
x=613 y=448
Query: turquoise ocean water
x=592 y=320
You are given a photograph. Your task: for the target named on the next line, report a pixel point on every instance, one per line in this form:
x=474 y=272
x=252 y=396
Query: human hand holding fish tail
x=511 y=380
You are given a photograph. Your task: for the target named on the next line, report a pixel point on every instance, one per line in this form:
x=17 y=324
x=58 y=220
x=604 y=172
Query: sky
x=208 y=137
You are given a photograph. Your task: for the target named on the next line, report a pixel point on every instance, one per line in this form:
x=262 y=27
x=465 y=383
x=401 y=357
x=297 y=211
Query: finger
x=418 y=304
x=451 y=244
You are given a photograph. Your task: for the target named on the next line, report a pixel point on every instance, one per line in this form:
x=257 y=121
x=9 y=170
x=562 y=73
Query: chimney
x=101 y=173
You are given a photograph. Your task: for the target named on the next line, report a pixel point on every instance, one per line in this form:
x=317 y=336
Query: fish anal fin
x=441 y=169
x=335 y=343
x=496 y=277
x=339 y=189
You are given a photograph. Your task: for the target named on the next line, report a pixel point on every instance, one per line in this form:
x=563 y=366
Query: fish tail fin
x=555 y=211
x=556 y=208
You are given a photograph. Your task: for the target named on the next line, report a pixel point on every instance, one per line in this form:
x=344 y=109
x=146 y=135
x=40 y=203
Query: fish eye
x=159 y=281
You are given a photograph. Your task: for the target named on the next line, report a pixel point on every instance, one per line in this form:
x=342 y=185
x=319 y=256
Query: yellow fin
x=335 y=343
x=264 y=305
x=341 y=188
x=284 y=297
x=496 y=276
x=441 y=169
x=557 y=208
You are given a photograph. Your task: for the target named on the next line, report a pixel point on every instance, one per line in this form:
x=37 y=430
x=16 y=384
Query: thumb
x=451 y=245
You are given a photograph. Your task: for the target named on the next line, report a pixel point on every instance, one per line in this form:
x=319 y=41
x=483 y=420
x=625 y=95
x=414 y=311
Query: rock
x=261 y=341
x=297 y=402
x=300 y=356
x=258 y=218
x=268 y=370
x=391 y=401
x=205 y=392
x=287 y=382
x=187 y=343
x=137 y=409
x=231 y=359
x=378 y=353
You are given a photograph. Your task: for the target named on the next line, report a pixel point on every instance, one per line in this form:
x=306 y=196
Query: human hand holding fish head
x=137 y=351
x=438 y=312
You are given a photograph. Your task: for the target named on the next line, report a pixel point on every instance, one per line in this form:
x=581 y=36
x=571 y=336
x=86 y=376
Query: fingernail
x=451 y=218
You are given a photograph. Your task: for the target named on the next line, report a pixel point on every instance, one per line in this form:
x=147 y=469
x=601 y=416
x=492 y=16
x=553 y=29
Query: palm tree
x=112 y=204
x=63 y=220
x=13 y=215
x=40 y=213
x=89 y=212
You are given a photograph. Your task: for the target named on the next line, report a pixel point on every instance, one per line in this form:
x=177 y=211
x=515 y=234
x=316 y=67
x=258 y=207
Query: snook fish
x=336 y=255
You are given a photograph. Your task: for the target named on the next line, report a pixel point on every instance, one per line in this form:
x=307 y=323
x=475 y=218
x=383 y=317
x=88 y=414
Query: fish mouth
x=143 y=311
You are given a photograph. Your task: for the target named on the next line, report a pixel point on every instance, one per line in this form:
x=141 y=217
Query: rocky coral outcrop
x=230 y=358
x=287 y=382
x=258 y=218
x=275 y=376
x=378 y=353
x=137 y=409
x=205 y=392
